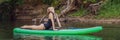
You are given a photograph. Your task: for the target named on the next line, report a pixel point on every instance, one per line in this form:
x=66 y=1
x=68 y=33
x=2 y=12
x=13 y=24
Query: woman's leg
x=35 y=27
x=39 y=27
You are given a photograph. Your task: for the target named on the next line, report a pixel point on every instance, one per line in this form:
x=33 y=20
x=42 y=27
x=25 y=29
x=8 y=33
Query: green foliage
x=7 y=9
x=55 y=3
x=1 y=1
x=86 y=1
x=57 y=11
x=49 y=2
x=110 y=10
x=115 y=1
x=79 y=13
x=19 y=2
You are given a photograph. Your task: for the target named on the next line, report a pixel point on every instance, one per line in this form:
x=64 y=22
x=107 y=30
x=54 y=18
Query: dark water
x=110 y=32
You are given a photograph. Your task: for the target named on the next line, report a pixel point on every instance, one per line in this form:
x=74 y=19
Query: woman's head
x=50 y=9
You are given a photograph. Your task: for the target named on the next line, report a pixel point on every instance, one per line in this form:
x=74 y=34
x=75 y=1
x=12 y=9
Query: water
x=57 y=37
x=110 y=32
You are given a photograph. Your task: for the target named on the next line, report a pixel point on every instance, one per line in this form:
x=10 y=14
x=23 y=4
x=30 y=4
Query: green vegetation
x=47 y=2
x=3 y=1
x=7 y=8
x=53 y=3
x=109 y=10
x=79 y=13
x=19 y=2
x=86 y=1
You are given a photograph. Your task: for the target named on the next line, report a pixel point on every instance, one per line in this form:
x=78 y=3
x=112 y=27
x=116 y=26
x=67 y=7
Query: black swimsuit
x=48 y=25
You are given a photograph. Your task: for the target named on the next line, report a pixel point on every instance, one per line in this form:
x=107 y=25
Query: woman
x=49 y=24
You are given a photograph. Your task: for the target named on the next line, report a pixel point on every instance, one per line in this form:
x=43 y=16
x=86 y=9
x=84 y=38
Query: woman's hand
x=55 y=29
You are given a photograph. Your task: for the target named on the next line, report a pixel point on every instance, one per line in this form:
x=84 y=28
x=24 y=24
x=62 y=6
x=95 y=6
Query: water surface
x=110 y=32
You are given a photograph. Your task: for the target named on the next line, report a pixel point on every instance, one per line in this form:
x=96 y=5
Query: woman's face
x=50 y=9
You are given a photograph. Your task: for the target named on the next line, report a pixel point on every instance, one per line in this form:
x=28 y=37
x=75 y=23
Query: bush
x=110 y=9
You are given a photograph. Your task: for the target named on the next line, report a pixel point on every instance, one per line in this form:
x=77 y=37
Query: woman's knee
x=40 y=27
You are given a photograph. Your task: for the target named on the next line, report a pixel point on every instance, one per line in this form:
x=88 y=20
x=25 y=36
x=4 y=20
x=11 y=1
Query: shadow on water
x=55 y=37
x=6 y=30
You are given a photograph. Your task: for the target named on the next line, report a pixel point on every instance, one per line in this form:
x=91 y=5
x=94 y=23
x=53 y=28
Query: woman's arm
x=58 y=21
x=51 y=17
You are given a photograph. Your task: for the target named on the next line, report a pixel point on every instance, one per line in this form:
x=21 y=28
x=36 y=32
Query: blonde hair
x=50 y=9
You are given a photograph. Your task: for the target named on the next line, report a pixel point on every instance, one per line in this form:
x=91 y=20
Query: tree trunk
x=69 y=6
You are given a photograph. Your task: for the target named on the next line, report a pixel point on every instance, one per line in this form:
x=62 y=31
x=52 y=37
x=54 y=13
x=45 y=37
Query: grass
x=78 y=13
x=110 y=10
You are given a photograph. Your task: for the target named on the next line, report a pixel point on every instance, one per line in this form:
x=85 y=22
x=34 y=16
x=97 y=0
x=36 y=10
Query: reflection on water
x=55 y=37
x=109 y=32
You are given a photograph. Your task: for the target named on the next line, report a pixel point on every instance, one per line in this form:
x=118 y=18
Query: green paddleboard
x=60 y=32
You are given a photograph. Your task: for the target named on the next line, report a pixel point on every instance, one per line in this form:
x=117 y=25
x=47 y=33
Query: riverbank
x=84 y=20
